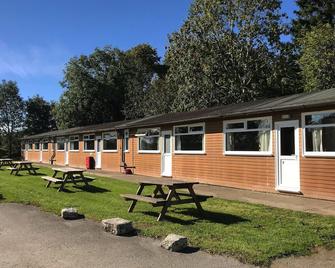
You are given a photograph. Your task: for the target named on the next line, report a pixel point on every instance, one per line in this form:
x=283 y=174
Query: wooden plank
x=55 y=180
x=142 y=198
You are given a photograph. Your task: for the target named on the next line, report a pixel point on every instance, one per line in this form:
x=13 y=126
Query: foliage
x=312 y=13
x=228 y=51
x=253 y=233
x=317 y=59
x=11 y=117
x=39 y=117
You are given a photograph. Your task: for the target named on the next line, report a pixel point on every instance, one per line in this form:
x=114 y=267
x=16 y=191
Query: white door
x=66 y=148
x=41 y=152
x=98 y=152
x=167 y=154
x=288 y=173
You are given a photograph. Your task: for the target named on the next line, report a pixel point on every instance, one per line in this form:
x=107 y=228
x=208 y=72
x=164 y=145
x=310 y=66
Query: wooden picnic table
x=6 y=162
x=69 y=175
x=19 y=166
x=172 y=197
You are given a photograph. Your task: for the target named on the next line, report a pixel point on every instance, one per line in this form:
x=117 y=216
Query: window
x=45 y=146
x=37 y=146
x=126 y=141
x=248 y=136
x=148 y=140
x=60 y=144
x=74 y=143
x=29 y=146
x=319 y=133
x=110 y=141
x=190 y=138
x=89 y=142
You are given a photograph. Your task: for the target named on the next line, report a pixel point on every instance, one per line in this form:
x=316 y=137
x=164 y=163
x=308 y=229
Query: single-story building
x=284 y=144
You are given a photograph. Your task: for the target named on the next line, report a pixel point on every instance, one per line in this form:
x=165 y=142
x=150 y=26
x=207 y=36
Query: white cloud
x=32 y=60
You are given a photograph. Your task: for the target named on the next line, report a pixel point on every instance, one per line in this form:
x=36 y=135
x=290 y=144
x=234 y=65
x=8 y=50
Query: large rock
x=118 y=226
x=174 y=242
x=70 y=214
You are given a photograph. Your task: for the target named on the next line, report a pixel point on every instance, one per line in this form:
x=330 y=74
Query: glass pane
x=148 y=143
x=196 y=128
x=89 y=145
x=251 y=141
x=287 y=141
x=74 y=145
x=108 y=144
x=320 y=139
x=321 y=118
x=167 y=140
x=189 y=142
x=235 y=125
x=179 y=130
x=255 y=124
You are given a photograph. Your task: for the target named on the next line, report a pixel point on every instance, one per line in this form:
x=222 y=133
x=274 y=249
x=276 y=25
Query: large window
x=248 y=136
x=60 y=144
x=37 y=146
x=319 y=133
x=189 y=138
x=110 y=141
x=74 y=143
x=89 y=142
x=126 y=140
x=148 y=140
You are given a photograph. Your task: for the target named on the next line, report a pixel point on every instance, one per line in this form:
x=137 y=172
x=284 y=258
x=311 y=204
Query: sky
x=38 y=37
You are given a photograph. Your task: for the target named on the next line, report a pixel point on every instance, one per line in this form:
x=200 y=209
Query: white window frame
x=103 y=138
x=76 y=138
x=203 y=132
x=39 y=148
x=29 y=149
x=244 y=129
x=42 y=143
x=126 y=133
x=85 y=139
x=60 y=138
x=149 y=151
x=303 y=121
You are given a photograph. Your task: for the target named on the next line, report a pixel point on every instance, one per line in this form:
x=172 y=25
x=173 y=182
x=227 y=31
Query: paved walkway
x=287 y=201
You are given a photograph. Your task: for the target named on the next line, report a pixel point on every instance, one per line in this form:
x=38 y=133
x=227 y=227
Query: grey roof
x=292 y=102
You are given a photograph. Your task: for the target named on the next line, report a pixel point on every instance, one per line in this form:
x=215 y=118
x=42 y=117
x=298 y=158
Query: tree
x=11 y=117
x=311 y=13
x=228 y=51
x=317 y=59
x=39 y=116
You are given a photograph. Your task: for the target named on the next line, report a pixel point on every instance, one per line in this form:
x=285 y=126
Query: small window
x=126 y=140
x=319 y=132
x=110 y=141
x=148 y=140
x=189 y=138
x=248 y=136
x=74 y=143
x=45 y=145
x=37 y=146
x=89 y=142
x=29 y=146
x=60 y=144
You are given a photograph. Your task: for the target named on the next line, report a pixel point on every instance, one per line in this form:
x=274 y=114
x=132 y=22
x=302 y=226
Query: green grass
x=255 y=234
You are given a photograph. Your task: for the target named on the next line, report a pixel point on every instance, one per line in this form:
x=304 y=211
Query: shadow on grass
x=214 y=217
x=91 y=188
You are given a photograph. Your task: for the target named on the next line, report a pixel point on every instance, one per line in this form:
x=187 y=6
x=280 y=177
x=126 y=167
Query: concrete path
x=32 y=238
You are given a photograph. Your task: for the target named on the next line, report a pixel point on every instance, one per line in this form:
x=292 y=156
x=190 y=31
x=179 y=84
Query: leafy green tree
x=311 y=13
x=11 y=117
x=228 y=51
x=39 y=117
x=317 y=59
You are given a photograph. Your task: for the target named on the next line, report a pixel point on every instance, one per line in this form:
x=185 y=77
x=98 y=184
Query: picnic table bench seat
x=51 y=179
x=12 y=168
x=147 y=199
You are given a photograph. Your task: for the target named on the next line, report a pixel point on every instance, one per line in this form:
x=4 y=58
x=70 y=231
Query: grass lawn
x=253 y=233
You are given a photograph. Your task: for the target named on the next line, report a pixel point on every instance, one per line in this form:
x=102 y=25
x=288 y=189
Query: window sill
x=45 y=150
x=74 y=151
x=330 y=155
x=126 y=151
x=248 y=154
x=149 y=152
x=190 y=152
x=89 y=151
x=60 y=150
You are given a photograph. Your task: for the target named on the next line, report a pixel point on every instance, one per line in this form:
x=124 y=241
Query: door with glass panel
x=288 y=178
x=167 y=154
x=66 y=148
x=98 y=152
x=41 y=152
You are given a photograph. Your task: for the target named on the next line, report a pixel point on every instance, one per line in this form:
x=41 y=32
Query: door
x=41 y=152
x=288 y=173
x=66 y=148
x=167 y=154
x=98 y=152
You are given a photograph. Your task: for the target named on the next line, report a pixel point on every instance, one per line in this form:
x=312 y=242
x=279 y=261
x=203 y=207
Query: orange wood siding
x=111 y=160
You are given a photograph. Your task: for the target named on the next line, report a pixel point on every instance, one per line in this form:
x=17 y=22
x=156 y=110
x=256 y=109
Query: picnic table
x=19 y=166
x=6 y=162
x=159 y=198
x=69 y=175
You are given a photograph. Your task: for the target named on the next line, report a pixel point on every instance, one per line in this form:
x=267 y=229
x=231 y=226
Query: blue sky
x=38 y=37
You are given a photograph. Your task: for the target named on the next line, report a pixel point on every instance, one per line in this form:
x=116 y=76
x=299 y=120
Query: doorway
x=167 y=154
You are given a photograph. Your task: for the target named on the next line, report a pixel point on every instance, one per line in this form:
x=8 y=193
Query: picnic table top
x=67 y=169
x=22 y=162
x=168 y=182
x=6 y=159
